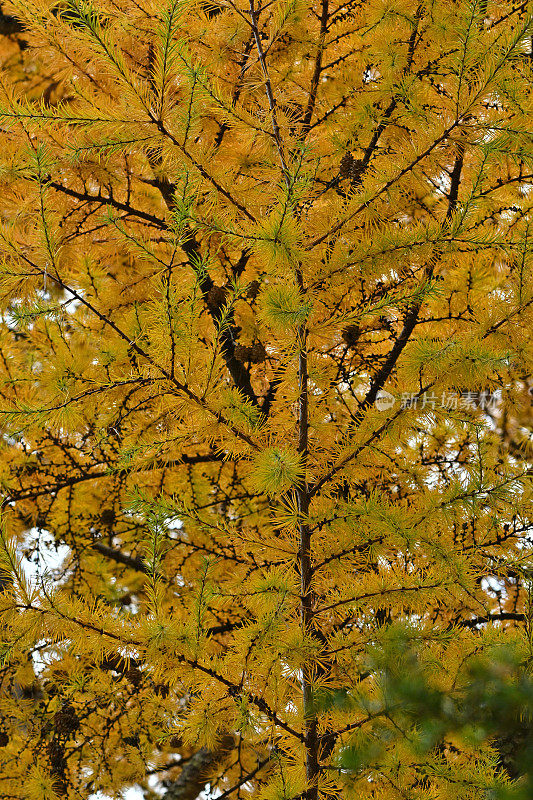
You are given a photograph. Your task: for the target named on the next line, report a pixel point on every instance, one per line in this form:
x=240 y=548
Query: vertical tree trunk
x=306 y=574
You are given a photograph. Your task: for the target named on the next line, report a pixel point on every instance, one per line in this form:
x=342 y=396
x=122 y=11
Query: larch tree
x=265 y=352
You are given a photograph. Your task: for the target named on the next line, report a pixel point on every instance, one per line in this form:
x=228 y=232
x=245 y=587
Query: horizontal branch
x=48 y=489
x=510 y=616
x=120 y=557
x=87 y=197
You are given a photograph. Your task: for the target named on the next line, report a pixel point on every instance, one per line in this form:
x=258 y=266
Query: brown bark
x=195 y=774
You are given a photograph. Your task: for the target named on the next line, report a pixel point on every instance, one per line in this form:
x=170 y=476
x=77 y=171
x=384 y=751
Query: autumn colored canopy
x=266 y=290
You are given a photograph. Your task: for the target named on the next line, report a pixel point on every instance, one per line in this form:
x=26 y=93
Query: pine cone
x=133 y=675
x=176 y=742
x=66 y=720
x=345 y=166
x=351 y=168
x=351 y=335
x=56 y=754
x=241 y=353
x=356 y=170
x=107 y=516
x=253 y=290
x=216 y=297
x=257 y=353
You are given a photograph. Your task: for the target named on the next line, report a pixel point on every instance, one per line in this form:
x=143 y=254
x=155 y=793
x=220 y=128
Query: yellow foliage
x=266 y=299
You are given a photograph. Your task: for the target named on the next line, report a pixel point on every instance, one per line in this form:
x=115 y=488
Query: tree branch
x=412 y=314
x=122 y=558
x=228 y=336
x=311 y=101
x=195 y=774
x=505 y=615
x=108 y=201
x=269 y=93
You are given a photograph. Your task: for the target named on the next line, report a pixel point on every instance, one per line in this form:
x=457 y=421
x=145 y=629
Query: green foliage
x=284 y=308
x=277 y=469
x=490 y=703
